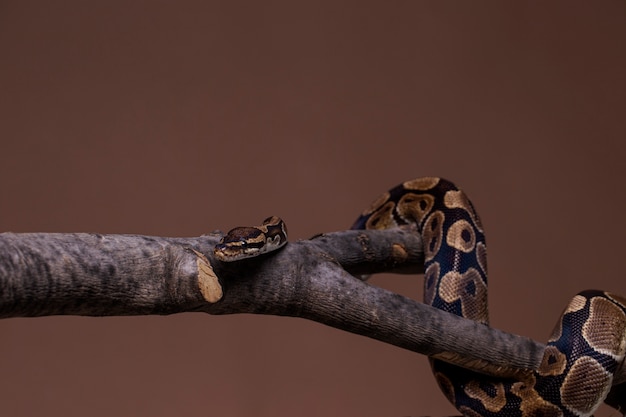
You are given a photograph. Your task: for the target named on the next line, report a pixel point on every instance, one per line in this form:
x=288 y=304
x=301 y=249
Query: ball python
x=584 y=352
x=248 y=242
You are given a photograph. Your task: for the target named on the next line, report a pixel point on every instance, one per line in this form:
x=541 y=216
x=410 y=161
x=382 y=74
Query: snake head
x=248 y=242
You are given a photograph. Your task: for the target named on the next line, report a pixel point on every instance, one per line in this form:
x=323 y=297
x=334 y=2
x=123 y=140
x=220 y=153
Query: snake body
x=583 y=353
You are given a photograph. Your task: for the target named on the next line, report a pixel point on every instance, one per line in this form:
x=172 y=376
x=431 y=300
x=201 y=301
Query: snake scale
x=583 y=354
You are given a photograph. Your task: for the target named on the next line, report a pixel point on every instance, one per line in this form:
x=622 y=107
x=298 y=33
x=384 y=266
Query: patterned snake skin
x=583 y=353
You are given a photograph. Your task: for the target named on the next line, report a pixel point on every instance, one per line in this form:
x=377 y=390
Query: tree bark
x=107 y=275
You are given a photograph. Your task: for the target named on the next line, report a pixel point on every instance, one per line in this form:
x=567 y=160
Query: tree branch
x=109 y=275
x=106 y=275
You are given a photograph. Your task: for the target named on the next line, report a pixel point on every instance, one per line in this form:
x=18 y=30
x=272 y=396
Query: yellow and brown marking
x=414 y=207
x=469 y=289
x=458 y=199
x=553 y=362
x=605 y=328
x=493 y=400
x=532 y=404
x=382 y=218
x=421 y=184
x=585 y=385
x=432 y=234
x=461 y=236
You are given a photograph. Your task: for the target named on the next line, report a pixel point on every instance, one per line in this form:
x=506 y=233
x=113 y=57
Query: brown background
x=177 y=118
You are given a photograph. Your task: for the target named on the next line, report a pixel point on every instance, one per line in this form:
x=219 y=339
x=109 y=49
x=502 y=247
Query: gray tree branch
x=107 y=275
x=98 y=275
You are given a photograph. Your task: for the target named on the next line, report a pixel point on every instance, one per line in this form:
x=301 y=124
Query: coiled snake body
x=583 y=353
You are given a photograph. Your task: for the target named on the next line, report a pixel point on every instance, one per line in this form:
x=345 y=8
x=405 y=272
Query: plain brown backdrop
x=178 y=118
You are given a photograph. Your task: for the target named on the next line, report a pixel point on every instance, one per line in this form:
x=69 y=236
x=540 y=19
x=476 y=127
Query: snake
x=251 y=241
x=582 y=356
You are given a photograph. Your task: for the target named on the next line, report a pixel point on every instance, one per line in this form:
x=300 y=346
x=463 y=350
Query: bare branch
x=97 y=275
